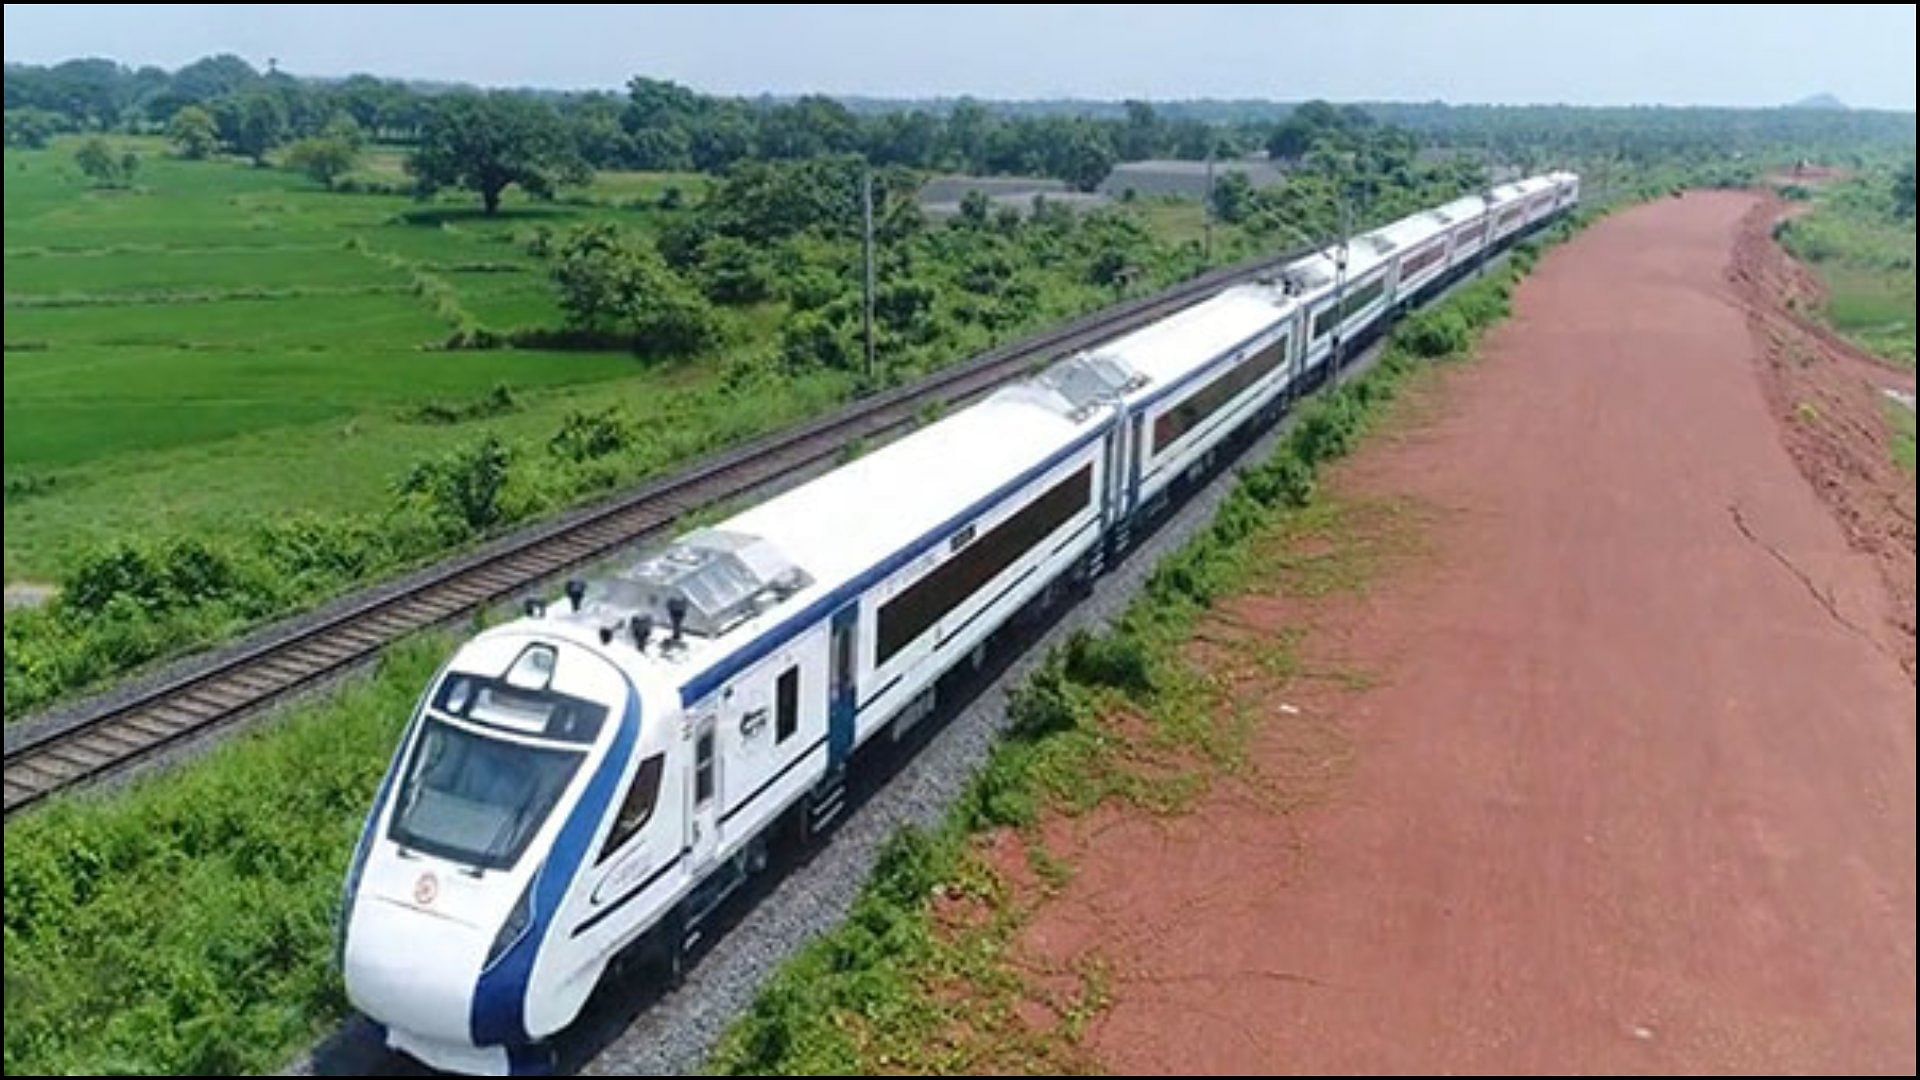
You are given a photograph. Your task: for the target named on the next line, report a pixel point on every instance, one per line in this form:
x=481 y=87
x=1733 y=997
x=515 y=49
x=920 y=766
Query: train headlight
x=515 y=927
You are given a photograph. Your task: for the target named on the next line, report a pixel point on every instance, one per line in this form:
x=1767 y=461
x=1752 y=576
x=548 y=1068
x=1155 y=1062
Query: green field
x=231 y=370
x=1863 y=251
x=225 y=339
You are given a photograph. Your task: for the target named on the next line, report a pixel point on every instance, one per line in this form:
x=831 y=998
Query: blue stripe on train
x=499 y=1014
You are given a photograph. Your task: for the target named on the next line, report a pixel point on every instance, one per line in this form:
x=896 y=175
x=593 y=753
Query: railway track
x=110 y=735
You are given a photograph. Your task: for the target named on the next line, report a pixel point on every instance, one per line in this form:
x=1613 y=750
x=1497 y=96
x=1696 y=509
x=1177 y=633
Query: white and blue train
x=594 y=777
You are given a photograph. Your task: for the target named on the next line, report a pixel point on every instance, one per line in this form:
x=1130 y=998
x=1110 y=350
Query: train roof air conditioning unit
x=719 y=579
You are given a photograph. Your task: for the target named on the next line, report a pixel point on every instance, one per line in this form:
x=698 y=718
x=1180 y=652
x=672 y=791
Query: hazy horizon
x=1576 y=55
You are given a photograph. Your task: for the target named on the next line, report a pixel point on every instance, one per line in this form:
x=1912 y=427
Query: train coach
x=593 y=779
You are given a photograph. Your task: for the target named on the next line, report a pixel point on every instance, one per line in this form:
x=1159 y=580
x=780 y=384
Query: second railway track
x=111 y=734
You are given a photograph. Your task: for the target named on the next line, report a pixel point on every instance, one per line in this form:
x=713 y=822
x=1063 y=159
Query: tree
x=1141 y=137
x=96 y=160
x=344 y=129
x=1232 y=197
x=611 y=280
x=761 y=201
x=194 y=132
x=1087 y=160
x=1291 y=140
x=810 y=127
x=485 y=144
x=30 y=129
x=213 y=77
x=259 y=123
x=325 y=158
x=974 y=209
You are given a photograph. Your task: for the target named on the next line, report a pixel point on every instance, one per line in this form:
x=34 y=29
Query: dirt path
x=1635 y=789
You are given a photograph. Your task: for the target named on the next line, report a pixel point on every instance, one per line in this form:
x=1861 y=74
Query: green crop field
x=229 y=368
x=226 y=339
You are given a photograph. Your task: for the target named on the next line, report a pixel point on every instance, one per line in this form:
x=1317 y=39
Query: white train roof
x=765 y=563
x=1465 y=209
x=841 y=524
x=1173 y=347
x=1407 y=233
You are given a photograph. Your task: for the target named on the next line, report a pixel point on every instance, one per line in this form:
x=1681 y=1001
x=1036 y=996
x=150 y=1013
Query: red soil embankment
x=1635 y=791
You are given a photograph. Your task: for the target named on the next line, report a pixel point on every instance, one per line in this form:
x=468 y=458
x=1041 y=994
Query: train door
x=842 y=666
x=1114 y=482
x=1135 y=443
x=703 y=794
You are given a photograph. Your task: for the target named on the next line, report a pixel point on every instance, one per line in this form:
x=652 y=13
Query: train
x=589 y=781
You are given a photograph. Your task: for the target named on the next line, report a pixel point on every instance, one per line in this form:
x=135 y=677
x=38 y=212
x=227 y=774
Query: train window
x=477 y=799
x=1355 y=300
x=786 y=704
x=703 y=767
x=842 y=660
x=637 y=809
x=921 y=604
x=1415 y=265
x=1363 y=297
x=1187 y=415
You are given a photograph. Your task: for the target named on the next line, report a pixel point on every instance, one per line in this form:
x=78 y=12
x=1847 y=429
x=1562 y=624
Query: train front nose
x=414 y=971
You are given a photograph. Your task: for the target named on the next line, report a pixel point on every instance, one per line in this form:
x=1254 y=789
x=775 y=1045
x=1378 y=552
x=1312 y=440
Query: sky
x=1575 y=54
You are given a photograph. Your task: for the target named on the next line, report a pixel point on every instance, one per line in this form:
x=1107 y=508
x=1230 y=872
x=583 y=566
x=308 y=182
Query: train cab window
x=637 y=809
x=477 y=798
x=703 y=768
x=786 y=704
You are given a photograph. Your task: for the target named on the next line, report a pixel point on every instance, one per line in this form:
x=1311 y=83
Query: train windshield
x=478 y=799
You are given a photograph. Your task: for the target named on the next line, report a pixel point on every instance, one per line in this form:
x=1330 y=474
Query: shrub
x=587 y=435
x=464 y=487
x=1285 y=481
x=1434 y=333
x=1117 y=660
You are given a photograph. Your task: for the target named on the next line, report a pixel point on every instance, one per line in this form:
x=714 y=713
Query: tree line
x=222 y=103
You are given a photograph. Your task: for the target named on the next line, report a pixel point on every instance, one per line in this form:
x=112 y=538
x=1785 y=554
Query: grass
x=1900 y=421
x=219 y=323
x=227 y=346
x=1864 y=255
x=186 y=926
x=1128 y=718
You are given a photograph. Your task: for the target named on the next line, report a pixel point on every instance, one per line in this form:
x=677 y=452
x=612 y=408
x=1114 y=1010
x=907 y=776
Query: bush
x=584 y=436
x=1116 y=660
x=495 y=402
x=182 y=573
x=245 y=853
x=1047 y=703
x=465 y=486
x=1285 y=481
x=610 y=279
x=1434 y=333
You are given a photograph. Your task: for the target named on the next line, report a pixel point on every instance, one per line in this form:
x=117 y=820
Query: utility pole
x=1206 y=212
x=1340 y=288
x=866 y=214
